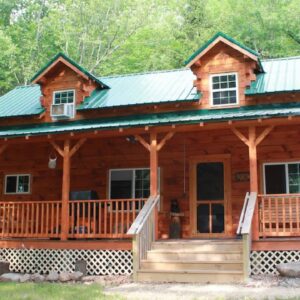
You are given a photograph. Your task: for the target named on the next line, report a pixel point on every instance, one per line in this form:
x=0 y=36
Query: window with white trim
x=282 y=178
x=129 y=183
x=17 y=184
x=64 y=97
x=224 y=89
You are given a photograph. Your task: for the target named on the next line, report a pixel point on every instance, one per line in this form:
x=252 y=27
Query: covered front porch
x=205 y=170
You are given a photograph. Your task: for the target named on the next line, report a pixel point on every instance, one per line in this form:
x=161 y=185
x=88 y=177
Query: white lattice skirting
x=99 y=262
x=264 y=262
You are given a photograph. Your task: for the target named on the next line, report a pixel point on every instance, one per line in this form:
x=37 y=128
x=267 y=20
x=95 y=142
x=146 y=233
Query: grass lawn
x=52 y=291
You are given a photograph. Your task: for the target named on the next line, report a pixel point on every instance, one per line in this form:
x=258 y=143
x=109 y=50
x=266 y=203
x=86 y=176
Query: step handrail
x=143 y=231
x=143 y=215
x=244 y=229
x=245 y=222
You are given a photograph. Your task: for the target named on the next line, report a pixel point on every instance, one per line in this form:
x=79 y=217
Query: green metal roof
x=182 y=117
x=217 y=35
x=144 y=88
x=21 y=101
x=126 y=90
x=281 y=75
x=72 y=62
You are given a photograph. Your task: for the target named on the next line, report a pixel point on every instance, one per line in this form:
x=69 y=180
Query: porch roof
x=157 y=119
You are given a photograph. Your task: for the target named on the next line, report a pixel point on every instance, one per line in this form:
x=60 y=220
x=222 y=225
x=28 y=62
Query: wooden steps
x=203 y=261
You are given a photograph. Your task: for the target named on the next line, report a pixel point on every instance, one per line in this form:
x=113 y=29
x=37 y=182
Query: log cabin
x=188 y=175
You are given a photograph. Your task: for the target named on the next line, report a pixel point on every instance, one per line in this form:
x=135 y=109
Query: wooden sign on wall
x=242 y=176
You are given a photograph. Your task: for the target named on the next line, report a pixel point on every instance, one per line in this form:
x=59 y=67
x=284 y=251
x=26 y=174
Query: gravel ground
x=258 y=287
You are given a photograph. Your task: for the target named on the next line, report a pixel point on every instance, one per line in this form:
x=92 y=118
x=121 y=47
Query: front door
x=210 y=196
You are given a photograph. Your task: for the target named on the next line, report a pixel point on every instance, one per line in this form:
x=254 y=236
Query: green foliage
x=110 y=37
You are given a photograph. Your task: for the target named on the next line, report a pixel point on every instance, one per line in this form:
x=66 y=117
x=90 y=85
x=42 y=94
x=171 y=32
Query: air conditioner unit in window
x=62 y=111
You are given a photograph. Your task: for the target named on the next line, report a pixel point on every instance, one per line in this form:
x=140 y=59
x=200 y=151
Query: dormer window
x=63 y=106
x=62 y=97
x=224 y=89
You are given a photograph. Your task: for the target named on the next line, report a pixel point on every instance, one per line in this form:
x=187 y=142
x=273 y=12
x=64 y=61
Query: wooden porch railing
x=86 y=218
x=143 y=231
x=30 y=219
x=244 y=229
x=279 y=215
x=103 y=218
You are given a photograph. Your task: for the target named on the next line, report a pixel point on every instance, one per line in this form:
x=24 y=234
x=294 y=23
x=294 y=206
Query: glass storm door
x=210 y=198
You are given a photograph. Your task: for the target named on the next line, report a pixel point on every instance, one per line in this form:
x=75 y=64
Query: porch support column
x=153 y=164
x=253 y=179
x=154 y=147
x=65 y=190
x=154 y=177
x=66 y=153
x=252 y=142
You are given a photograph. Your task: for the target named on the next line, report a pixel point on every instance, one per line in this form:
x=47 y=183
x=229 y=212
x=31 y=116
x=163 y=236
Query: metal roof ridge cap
x=145 y=73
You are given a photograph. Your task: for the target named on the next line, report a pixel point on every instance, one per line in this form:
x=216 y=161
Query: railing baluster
x=111 y=218
x=276 y=214
x=116 y=231
x=270 y=213
x=89 y=218
x=122 y=218
x=283 y=214
x=297 y=214
x=290 y=214
x=22 y=218
x=4 y=219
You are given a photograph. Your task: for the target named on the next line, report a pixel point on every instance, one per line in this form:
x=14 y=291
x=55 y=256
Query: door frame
x=226 y=160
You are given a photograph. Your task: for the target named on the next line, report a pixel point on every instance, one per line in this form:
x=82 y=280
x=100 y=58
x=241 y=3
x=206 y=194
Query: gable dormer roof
x=62 y=58
x=222 y=37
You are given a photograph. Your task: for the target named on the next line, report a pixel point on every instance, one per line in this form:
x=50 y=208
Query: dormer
x=224 y=68
x=64 y=85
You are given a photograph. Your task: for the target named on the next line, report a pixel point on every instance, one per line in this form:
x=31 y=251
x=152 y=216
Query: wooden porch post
x=66 y=153
x=253 y=179
x=153 y=165
x=65 y=191
x=154 y=177
x=252 y=142
x=154 y=147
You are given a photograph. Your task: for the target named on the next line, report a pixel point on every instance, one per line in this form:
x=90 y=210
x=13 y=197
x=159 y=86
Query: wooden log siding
x=86 y=218
x=279 y=215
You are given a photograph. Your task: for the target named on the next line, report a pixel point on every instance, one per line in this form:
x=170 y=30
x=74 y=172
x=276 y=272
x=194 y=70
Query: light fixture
x=52 y=161
x=131 y=139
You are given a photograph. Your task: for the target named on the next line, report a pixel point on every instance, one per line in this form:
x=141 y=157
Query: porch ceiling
x=158 y=119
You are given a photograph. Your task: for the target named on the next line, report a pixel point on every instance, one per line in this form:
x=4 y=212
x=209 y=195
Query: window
x=224 y=89
x=282 y=178
x=63 y=97
x=17 y=184
x=129 y=183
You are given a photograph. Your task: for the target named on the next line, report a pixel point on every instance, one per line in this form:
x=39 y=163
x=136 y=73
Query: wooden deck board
x=279 y=244
x=125 y=244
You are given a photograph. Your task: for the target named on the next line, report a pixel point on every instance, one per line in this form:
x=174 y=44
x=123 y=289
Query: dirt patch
x=258 y=287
